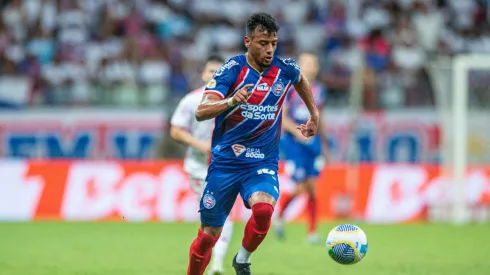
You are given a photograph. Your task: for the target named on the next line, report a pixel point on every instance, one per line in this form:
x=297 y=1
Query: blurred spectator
x=428 y=23
x=144 y=52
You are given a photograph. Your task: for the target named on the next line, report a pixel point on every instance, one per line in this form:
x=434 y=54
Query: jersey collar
x=253 y=68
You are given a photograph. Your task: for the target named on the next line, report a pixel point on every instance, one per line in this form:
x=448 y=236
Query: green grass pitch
x=49 y=248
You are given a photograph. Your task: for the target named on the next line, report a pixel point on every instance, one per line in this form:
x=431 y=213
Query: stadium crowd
x=146 y=52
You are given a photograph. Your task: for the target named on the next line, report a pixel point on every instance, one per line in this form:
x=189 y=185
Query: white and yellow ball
x=347 y=244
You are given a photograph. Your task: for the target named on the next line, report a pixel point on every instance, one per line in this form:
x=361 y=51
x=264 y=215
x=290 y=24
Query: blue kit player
x=305 y=157
x=246 y=97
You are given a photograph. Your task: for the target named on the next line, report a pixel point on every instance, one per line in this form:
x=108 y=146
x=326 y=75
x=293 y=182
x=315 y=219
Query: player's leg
x=311 y=209
x=219 y=250
x=217 y=199
x=260 y=192
x=201 y=249
x=287 y=146
x=197 y=185
x=312 y=172
x=296 y=168
x=206 y=236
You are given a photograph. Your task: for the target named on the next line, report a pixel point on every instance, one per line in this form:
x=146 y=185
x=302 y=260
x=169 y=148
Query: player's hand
x=204 y=146
x=242 y=95
x=309 y=129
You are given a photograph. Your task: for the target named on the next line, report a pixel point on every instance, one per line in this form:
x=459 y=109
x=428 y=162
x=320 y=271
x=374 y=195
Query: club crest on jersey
x=278 y=88
x=238 y=149
x=208 y=201
x=263 y=87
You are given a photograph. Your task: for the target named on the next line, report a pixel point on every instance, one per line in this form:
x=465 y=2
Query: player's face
x=261 y=46
x=209 y=70
x=309 y=65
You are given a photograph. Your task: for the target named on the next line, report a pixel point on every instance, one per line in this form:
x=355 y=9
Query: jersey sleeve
x=291 y=68
x=183 y=115
x=223 y=79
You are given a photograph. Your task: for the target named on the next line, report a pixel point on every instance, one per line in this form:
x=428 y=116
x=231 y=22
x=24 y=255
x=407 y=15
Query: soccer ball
x=347 y=244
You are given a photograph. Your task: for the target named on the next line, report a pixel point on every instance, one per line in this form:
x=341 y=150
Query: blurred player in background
x=197 y=135
x=246 y=96
x=305 y=157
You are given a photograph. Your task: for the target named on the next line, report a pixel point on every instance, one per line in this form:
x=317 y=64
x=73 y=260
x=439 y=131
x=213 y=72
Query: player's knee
x=211 y=231
x=310 y=192
x=298 y=189
x=310 y=186
x=262 y=214
x=261 y=197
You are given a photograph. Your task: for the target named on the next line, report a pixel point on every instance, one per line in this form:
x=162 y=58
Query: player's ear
x=247 y=41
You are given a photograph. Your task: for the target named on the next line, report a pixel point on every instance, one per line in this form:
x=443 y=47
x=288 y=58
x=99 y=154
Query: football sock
x=243 y=256
x=256 y=229
x=200 y=253
x=312 y=217
x=219 y=250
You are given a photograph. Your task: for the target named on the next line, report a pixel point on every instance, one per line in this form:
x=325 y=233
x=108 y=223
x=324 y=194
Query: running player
x=305 y=158
x=197 y=135
x=246 y=96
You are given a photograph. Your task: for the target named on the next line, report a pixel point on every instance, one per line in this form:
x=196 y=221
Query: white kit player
x=197 y=135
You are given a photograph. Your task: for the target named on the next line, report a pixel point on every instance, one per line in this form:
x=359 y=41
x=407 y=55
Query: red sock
x=287 y=200
x=312 y=218
x=257 y=226
x=200 y=253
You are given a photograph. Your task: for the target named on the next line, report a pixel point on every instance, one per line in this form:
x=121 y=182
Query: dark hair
x=264 y=21
x=215 y=58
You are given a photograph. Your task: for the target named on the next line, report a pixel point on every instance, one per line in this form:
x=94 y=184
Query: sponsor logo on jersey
x=208 y=201
x=211 y=84
x=254 y=153
x=290 y=62
x=238 y=149
x=278 y=88
x=225 y=66
x=259 y=112
x=263 y=87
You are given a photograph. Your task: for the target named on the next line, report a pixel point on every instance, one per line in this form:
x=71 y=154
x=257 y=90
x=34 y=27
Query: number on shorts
x=265 y=171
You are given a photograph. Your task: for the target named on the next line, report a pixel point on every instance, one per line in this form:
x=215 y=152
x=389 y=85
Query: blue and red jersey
x=248 y=135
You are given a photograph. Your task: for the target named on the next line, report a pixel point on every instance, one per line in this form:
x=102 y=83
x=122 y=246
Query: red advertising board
x=159 y=191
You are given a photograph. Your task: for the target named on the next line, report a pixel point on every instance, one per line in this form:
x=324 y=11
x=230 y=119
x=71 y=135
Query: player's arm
x=182 y=120
x=303 y=89
x=180 y=134
x=212 y=105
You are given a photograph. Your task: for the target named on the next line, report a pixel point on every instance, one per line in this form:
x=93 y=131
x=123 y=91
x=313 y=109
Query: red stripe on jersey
x=239 y=81
x=234 y=119
x=266 y=125
x=258 y=96
x=214 y=93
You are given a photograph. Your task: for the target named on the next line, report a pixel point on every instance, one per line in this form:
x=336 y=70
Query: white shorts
x=197 y=185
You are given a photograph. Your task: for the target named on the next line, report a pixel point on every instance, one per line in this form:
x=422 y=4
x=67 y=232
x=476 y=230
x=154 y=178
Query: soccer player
x=305 y=158
x=197 y=135
x=246 y=96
